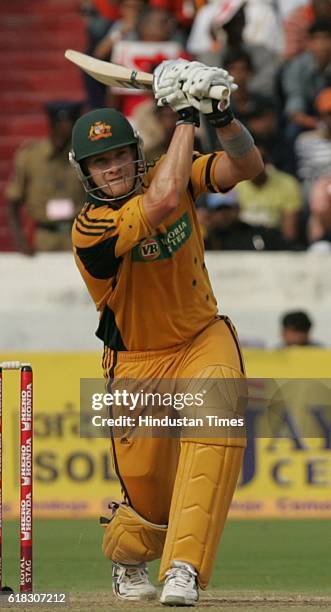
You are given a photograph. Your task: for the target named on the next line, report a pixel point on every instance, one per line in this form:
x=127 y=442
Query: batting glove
x=166 y=75
x=199 y=79
x=180 y=103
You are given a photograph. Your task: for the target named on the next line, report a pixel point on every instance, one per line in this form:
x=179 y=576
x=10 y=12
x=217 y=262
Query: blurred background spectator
x=319 y=226
x=297 y=23
x=125 y=28
x=45 y=183
x=99 y=15
x=223 y=24
x=224 y=229
x=296 y=329
x=313 y=147
x=272 y=199
x=306 y=75
x=156 y=126
x=157 y=39
x=279 y=53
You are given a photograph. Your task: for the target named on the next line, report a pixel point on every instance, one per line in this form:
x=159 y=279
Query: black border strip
x=90 y=226
x=117 y=471
x=229 y=325
x=209 y=184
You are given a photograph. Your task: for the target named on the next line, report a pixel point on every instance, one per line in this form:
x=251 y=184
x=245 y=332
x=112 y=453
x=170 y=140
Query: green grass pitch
x=262 y=556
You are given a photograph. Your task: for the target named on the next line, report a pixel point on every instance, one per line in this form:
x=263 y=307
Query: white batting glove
x=166 y=75
x=199 y=80
x=175 y=99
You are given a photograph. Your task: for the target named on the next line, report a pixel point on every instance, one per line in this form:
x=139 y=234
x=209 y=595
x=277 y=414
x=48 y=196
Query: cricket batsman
x=159 y=319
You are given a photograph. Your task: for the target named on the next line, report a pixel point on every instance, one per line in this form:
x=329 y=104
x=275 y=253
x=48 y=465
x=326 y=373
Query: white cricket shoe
x=131 y=582
x=180 y=587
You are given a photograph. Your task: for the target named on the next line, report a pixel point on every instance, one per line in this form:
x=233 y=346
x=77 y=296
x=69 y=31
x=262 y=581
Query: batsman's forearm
x=239 y=146
x=171 y=178
x=174 y=172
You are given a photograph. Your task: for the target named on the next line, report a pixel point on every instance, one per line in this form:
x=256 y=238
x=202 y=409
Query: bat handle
x=218 y=92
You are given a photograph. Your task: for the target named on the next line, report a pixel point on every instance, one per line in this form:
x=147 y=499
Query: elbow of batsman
x=252 y=167
x=160 y=207
x=258 y=165
x=169 y=201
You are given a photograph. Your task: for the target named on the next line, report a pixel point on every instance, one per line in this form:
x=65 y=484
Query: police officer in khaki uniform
x=44 y=181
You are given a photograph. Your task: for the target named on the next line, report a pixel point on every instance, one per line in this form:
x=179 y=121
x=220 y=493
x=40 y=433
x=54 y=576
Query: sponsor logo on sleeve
x=164 y=245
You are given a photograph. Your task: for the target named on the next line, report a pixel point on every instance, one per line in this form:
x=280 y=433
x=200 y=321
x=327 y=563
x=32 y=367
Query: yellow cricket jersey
x=150 y=285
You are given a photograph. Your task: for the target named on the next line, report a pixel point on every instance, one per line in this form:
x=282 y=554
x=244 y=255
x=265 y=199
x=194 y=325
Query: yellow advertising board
x=73 y=476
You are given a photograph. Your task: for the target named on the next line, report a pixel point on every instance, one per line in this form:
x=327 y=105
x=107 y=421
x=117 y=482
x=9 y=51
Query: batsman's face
x=114 y=171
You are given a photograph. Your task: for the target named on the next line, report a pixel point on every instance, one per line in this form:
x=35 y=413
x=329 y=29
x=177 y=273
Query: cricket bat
x=120 y=76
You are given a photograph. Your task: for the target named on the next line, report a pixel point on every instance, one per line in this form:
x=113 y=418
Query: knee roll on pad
x=205 y=482
x=130 y=539
x=224 y=387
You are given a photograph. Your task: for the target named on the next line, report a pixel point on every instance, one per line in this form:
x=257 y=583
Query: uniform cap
x=59 y=110
x=99 y=131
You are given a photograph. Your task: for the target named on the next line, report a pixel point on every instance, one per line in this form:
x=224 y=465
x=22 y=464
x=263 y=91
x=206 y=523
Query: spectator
x=244 y=101
x=44 y=181
x=226 y=22
x=306 y=75
x=182 y=10
x=224 y=230
x=156 y=41
x=296 y=329
x=272 y=199
x=156 y=125
x=264 y=25
x=263 y=120
x=298 y=22
x=319 y=225
x=313 y=148
x=99 y=16
x=124 y=28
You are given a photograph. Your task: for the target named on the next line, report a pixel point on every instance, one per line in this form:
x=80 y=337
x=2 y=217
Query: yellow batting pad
x=130 y=539
x=206 y=479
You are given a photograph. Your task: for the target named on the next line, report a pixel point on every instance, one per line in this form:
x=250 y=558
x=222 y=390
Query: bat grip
x=218 y=92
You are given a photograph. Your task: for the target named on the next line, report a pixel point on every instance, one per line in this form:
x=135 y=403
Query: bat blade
x=115 y=75
x=109 y=73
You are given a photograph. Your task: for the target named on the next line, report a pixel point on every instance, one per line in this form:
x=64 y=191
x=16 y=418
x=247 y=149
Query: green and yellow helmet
x=99 y=131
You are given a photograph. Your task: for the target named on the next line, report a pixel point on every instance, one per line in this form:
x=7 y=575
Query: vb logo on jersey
x=149 y=249
x=165 y=245
x=98 y=130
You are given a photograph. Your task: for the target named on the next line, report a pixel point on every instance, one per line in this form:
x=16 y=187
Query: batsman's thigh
x=214 y=366
x=147 y=468
x=218 y=344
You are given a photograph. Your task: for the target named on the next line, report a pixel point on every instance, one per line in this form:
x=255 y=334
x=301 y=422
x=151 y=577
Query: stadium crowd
x=279 y=53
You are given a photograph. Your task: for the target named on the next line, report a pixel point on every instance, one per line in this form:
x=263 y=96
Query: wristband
x=239 y=145
x=188 y=115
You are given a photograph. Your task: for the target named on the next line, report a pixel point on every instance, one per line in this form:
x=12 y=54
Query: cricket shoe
x=180 y=587
x=131 y=582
